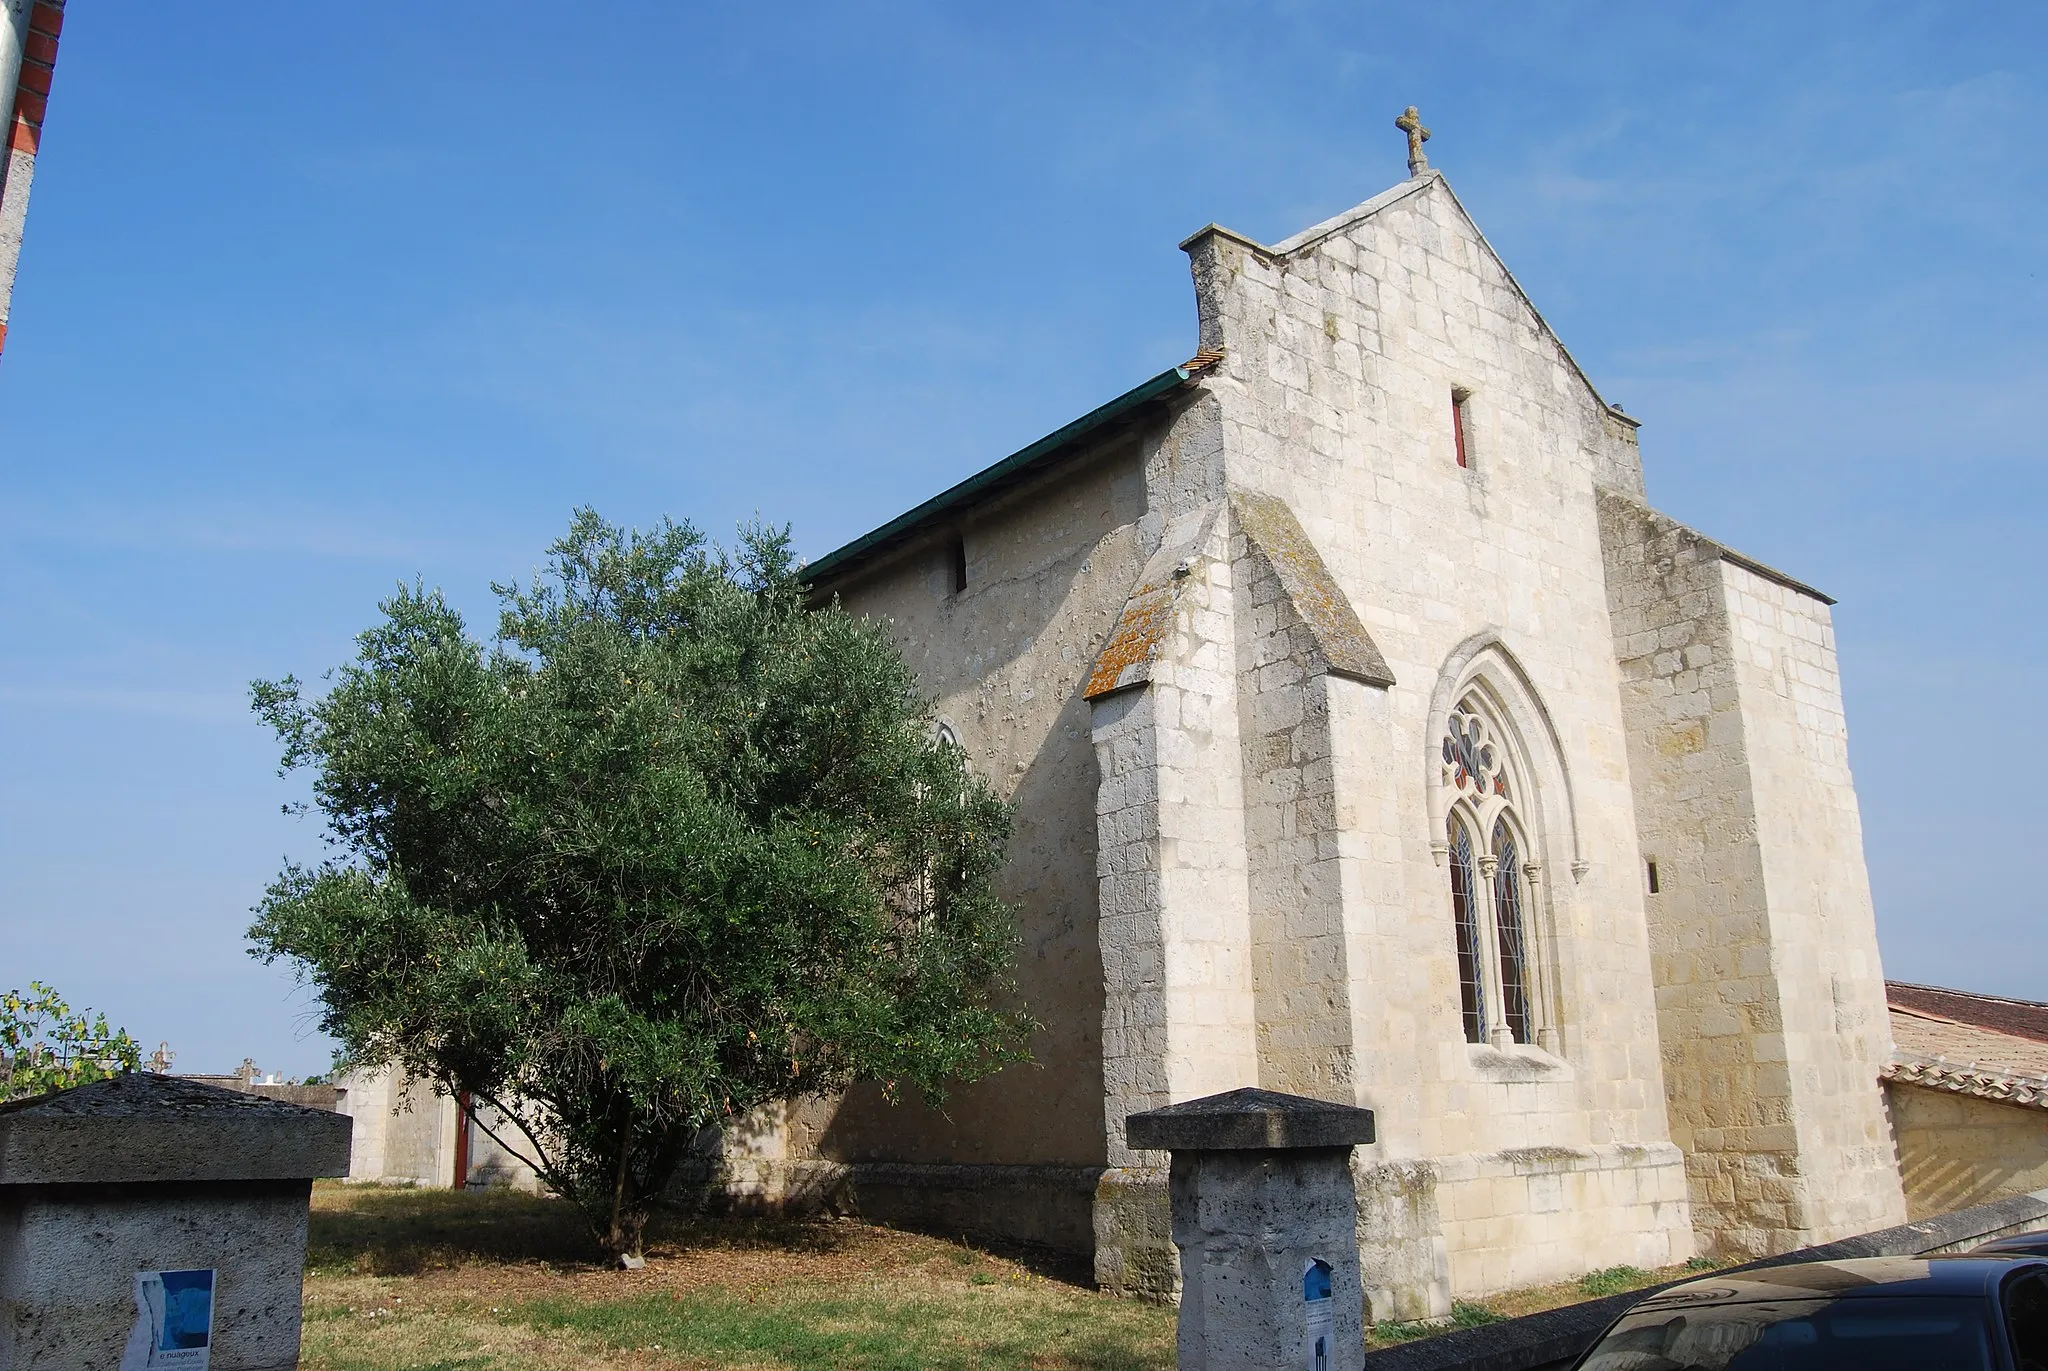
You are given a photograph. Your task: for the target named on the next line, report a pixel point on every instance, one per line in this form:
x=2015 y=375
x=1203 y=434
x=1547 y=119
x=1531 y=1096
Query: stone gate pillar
x=1266 y=1220
x=148 y=1221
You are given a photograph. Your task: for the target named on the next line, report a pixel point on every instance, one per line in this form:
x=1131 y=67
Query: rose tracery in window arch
x=1490 y=878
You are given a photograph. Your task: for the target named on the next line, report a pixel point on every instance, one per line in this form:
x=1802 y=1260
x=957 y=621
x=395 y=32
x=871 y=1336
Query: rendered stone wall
x=67 y=1260
x=405 y=1135
x=1956 y=1151
x=1770 y=993
x=1047 y=571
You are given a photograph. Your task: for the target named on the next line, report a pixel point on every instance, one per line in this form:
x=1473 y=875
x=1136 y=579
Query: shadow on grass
x=387 y=1231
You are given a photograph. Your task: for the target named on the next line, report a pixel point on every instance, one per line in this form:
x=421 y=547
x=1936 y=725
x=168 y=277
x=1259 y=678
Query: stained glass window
x=1464 y=913
x=1470 y=760
x=1507 y=913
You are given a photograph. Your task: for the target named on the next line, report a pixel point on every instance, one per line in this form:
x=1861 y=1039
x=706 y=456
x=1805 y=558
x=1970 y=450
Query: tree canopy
x=674 y=846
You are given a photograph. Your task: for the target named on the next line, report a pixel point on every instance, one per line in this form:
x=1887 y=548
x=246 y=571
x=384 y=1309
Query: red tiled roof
x=1943 y=1054
x=2019 y=1018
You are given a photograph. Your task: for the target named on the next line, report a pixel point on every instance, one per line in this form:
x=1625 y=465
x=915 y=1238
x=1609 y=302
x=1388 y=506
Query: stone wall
x=1048 y=568
x=1837 y=1031
x=1770 y=993
x=1302 y=999
x=1955 y=1150
x=1344 y=348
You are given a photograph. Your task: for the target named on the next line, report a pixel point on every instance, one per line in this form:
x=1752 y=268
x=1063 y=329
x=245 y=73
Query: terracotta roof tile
x=1941 y=1054
x=2021 y=1018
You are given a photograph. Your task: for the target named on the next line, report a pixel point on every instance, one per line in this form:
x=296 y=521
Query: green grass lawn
x=435 y=1280
x=438 y=1279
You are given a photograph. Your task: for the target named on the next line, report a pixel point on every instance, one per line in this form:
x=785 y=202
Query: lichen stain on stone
x=1542 y=1158
x=1145 y=620
x=1678 y=742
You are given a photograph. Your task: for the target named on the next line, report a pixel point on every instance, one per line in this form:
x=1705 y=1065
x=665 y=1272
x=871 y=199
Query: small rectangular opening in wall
x=1654 y=887
x=956 y=555
x=1461 y=401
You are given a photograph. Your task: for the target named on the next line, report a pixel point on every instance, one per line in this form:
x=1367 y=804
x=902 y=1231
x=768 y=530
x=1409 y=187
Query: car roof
x=1849 y=1278
x=2014 y=1242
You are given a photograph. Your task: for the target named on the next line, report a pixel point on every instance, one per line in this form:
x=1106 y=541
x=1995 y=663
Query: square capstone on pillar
x=1266 y=1220
x=149 y=1221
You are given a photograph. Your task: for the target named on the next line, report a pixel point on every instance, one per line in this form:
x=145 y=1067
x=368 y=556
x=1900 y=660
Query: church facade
x=1371 y=738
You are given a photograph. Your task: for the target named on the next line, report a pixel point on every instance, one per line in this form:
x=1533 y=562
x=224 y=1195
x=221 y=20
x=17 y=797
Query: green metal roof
x=1010 y=469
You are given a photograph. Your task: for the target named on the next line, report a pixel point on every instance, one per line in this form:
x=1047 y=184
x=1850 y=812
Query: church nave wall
x=1048 y=568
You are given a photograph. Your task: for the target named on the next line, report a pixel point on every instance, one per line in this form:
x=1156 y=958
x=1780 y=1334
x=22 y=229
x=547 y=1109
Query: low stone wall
x=1551 y=1340
x=1956 y=1149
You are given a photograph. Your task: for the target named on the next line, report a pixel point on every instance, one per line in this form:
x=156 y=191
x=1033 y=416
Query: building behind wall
x=406 y=1133
x=1967 y=1088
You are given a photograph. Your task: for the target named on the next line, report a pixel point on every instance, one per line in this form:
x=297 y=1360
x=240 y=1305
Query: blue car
x=2018 y=1245
x=1965 y=1313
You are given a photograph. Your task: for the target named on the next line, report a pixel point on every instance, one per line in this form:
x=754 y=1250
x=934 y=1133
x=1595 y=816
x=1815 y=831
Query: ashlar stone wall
x=1770 y=992
x=1343 y=350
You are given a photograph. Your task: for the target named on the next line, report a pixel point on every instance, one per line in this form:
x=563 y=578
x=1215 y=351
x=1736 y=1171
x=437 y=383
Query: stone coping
x=1554 y=1338
x=1249 y=1118
x=145 y=1127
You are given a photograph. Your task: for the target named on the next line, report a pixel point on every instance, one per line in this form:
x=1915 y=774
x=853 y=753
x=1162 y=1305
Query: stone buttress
x=1770 y=992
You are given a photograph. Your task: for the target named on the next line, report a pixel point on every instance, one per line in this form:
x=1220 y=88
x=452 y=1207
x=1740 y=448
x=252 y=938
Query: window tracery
x=1491 y=896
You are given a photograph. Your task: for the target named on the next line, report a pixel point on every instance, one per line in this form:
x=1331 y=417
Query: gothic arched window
x=1489 y=883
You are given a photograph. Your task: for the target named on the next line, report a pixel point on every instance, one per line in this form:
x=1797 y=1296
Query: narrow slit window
x=958 y=558
x=1461 y=404
x=1654 y=887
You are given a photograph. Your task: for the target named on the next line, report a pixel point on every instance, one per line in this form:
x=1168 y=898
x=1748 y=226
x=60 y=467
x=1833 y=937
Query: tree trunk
x=623 y=1239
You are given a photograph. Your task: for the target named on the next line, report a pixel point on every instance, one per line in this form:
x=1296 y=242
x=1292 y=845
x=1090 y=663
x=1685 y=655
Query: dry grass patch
x=438 y=1280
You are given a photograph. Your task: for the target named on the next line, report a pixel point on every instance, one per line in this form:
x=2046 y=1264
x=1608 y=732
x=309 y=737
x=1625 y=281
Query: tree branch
x=542 y=1168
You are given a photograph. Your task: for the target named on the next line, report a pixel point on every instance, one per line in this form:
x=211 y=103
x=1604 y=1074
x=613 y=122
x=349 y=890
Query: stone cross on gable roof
x=1410 y=123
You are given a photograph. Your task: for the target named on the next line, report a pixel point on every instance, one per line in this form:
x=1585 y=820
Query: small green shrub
x=1613 y=1281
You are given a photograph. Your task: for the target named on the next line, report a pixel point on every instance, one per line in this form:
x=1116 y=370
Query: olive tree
x=674 y=845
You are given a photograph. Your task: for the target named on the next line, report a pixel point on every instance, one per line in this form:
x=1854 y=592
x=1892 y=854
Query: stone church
x=1371 y=737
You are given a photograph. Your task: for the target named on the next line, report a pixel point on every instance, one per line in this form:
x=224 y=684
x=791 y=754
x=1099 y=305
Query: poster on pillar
x=173 y=1322
x=1320 y=1321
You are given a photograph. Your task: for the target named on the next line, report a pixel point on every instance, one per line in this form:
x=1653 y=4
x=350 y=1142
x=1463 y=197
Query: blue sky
x=309 y=306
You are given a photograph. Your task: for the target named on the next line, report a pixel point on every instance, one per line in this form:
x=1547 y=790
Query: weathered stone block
x=145 y=1174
